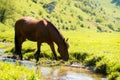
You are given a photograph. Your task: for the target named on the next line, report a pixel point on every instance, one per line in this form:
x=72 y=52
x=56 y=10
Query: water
x=2 y=51
x=58 y=72
x=68 y=73
x=75 y=76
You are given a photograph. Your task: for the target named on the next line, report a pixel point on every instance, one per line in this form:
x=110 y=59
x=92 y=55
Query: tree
x=7 y=9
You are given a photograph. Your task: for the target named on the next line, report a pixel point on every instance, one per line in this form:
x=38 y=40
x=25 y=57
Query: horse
x=40 y=31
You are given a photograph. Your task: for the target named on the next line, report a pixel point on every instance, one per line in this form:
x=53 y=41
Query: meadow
x=92 y=27
x=100 y=50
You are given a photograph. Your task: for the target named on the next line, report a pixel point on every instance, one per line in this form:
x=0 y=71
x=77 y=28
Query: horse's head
x=63 y=50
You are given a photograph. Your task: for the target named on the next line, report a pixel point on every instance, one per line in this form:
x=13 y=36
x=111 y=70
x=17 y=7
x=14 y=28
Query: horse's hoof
x=36 y=57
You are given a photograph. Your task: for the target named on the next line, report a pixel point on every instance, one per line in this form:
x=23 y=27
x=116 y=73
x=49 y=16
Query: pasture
x=100 y=50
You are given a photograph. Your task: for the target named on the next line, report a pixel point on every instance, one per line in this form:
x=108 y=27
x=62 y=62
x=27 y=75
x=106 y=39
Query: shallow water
x=58 y=72
x=2 y=51
x=68 y=73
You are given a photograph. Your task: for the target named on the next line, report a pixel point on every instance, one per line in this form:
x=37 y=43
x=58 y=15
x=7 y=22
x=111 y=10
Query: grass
x=98 y=49
x=91 y=42
x=15 y=72
x=87 y=46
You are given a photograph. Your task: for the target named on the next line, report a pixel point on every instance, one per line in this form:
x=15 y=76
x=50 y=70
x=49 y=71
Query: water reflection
x=68 y=73
x=75 y=76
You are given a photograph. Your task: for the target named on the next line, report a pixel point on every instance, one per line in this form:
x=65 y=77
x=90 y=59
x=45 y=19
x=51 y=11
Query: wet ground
x=70 y=72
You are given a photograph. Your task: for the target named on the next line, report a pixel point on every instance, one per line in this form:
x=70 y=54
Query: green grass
x=101 y=50
x=80 y=13
x=98 y=49
x=92 y=31
x=15 y=72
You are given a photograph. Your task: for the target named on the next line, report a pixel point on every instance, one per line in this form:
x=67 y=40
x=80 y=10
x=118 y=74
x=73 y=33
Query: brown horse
x=39 y=31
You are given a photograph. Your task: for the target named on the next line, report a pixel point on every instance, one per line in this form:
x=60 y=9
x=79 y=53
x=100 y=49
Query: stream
x=57 y=72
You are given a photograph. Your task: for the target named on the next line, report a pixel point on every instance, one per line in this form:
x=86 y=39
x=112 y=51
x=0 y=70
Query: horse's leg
x=53 y=49
x=18 y=46
x=19 y=51
x=37 y=54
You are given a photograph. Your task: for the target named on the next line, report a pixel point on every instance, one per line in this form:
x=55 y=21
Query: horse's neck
x=56 y=36
x=59 y=40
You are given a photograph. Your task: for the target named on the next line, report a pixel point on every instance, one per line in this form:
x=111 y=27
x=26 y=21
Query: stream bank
x=57 y=72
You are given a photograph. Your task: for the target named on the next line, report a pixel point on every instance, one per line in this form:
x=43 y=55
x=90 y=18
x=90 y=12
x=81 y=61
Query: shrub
x=110 y=26
x=80 y=17
x=99 y=29
x=99 y=20
x=107 y=66
x=82 y=25
x=80 y=56
x=92 y=60
x=114 y=76
x=101 y=67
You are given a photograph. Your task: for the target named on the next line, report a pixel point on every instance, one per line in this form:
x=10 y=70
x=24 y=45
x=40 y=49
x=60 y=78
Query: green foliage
x=100 y=50
x=92 y=60
x=114 y=76
x=99 y=29
x=8 y=35
x=58 y=12
x=7 y=11
x=14 y=72
x=101 y=67
x=2 y=45
x=80 y=56
x=110 y=26
x=99 y=20
x=29 y=56
x=79 y=20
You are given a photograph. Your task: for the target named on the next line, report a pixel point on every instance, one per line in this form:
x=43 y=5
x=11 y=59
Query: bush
x=99 y=20
x=80 y=56
x=92 y=60
x=80 y=17
x=114 y=76
x=99 y=29
x=107 y=66
x=110 y=26
x=82 y=25
x=101 y=67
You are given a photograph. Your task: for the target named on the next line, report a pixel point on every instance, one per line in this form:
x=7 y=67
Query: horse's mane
x=54 y=28
x=60 y=35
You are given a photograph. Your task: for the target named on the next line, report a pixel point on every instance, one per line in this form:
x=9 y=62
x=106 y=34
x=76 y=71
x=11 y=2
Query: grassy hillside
x=92 y=27
x=97 y=15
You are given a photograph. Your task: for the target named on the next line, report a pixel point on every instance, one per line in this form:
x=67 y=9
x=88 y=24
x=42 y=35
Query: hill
x=96 y=15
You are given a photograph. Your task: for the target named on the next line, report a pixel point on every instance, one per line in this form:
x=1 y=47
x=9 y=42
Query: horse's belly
x=31 y=39
x=40 y=36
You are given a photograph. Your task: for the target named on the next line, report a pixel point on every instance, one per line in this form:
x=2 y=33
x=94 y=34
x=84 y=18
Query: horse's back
x=32 y=29
x=26 y=21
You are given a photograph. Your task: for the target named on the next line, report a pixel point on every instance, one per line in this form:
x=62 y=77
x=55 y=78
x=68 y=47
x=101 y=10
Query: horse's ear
x=67 y=39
